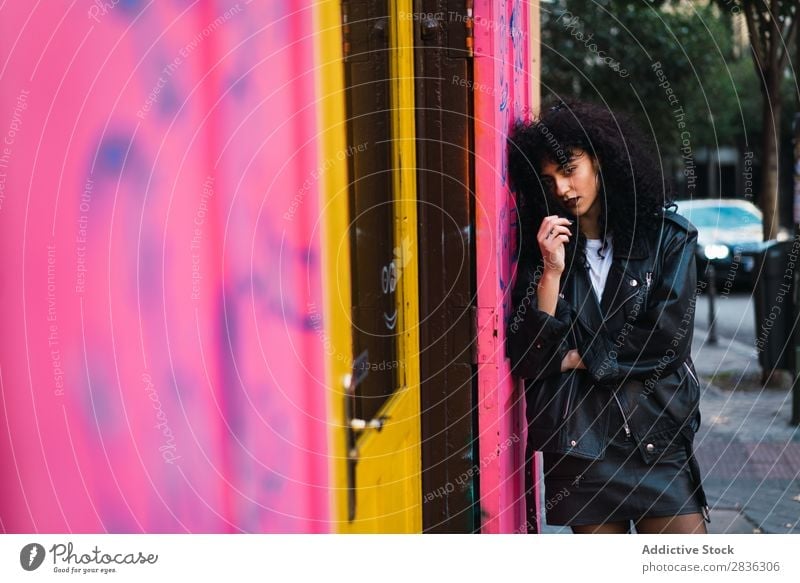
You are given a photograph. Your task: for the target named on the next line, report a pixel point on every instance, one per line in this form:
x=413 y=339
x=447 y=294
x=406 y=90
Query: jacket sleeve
x=660 y=340
x=536 y=341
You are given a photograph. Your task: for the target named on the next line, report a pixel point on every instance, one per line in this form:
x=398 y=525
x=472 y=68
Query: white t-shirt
x=598 y=266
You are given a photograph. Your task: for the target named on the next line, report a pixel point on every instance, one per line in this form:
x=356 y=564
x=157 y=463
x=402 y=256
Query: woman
x=602 y=326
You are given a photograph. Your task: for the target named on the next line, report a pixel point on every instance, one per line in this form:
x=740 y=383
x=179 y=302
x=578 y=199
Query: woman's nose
x=563 y=185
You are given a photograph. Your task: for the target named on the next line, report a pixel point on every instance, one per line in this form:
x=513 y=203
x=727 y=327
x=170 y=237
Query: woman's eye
x=567 y=171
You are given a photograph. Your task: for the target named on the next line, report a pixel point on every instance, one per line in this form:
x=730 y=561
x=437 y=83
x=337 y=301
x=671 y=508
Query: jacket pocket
x=655 y=444
x=678 y=395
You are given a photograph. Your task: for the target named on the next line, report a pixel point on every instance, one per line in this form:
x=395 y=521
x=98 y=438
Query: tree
x=664 y=63
x=772 y=26
x=608 y=53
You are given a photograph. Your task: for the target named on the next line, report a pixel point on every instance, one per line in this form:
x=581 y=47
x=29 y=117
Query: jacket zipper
x=569 y=400
x=625 y=425
x=689 y=370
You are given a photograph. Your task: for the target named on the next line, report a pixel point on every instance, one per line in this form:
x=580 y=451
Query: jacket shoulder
x=679 y=222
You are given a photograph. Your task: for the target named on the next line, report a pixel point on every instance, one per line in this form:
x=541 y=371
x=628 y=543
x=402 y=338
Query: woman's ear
x=596 y=166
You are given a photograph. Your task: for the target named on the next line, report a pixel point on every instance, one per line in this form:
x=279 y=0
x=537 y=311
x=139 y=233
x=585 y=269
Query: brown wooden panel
x=446 y=267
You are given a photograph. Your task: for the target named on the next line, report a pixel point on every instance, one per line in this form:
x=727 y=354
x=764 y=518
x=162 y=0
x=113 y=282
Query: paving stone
x=748 y=451
x=727 y=521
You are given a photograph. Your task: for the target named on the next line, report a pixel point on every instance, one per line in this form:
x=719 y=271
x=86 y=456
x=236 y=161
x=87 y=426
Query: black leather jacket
x=636 y=346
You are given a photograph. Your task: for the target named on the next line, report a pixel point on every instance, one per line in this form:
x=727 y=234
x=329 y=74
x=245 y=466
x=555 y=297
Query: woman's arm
x=541 y=319
x=548 y=291
x=536 y=339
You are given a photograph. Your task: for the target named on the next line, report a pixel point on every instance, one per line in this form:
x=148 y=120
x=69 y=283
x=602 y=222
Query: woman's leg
x=682 y=524
x=605 y=528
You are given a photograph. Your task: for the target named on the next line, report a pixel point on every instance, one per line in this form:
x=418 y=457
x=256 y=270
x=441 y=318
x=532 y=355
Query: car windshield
x=723 y=217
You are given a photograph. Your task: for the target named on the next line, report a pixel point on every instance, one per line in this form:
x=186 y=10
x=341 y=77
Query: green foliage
x=692 y=42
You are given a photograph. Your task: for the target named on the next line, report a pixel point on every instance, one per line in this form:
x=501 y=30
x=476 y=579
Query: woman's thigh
x=681 y=524
x=605 y=528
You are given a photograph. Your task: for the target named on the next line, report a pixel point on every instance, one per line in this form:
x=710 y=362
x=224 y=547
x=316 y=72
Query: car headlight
x=716 y=251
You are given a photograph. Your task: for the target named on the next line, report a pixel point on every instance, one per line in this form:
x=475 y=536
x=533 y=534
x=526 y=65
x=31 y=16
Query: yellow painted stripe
x=406 y=245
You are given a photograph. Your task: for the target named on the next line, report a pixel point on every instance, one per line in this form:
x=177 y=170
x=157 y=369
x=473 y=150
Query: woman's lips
x=571 y=202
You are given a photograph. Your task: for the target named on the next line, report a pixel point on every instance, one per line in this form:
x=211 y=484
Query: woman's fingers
x=558 y=230
x=572 y=359
x=554 y=234
x=566 y=362
x=555 y=240
x=551 y=226
x=552 y=220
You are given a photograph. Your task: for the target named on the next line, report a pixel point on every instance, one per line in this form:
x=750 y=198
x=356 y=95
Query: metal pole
x=796 y=293
x=796 y=368
x=712 y=294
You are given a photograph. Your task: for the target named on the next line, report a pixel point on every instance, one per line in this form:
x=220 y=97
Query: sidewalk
x=748 y=452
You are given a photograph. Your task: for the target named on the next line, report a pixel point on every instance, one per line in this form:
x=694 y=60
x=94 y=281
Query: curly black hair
x=633 y=188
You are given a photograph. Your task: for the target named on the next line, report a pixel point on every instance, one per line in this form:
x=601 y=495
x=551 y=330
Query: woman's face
x=574 y=184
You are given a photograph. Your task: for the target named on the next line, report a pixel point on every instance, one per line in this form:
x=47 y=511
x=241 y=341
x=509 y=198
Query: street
x=734 y=316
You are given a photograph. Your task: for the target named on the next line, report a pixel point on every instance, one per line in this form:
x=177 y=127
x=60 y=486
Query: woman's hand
x=553 y=234
x=572 y=360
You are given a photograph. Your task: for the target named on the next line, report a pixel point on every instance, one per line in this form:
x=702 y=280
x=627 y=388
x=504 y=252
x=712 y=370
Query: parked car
x=730 y=236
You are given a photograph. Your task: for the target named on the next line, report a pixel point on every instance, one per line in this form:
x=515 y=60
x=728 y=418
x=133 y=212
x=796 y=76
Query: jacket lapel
x=621 y=284
x=617 y=288
x=584 y=299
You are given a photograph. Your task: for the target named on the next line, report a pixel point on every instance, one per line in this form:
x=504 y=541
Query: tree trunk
x=771 y=120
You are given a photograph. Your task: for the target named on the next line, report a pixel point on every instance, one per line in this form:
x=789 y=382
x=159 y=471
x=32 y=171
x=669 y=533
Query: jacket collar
x=637 y=250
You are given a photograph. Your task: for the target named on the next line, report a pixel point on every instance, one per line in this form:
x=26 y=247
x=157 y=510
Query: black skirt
x=620 y=487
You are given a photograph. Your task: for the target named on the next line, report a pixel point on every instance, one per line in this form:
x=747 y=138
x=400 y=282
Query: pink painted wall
x=160 y=367
x=502 y=61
